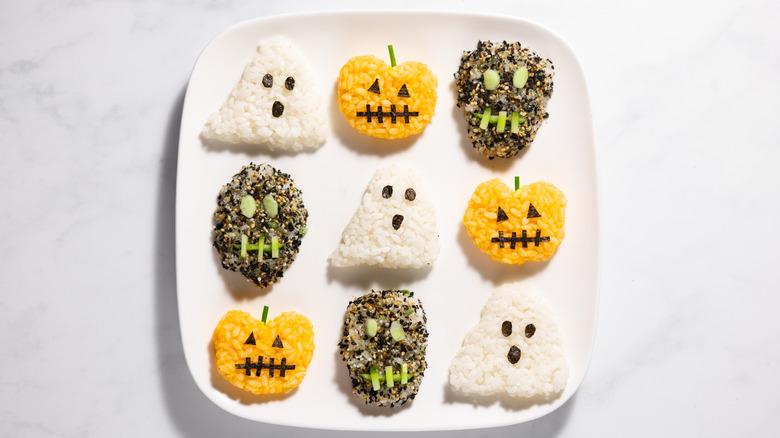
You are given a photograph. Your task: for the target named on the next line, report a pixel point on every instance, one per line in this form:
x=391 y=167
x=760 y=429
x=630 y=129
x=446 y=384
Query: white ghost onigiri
x=515 y=349
x=395 y=225
x=276 y=103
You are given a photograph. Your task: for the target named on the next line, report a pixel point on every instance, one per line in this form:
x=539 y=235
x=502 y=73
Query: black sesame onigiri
x=383 y=345
x=503 y=89
x=259 y=223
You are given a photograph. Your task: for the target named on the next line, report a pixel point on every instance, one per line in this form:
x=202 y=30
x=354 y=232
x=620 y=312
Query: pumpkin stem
x=392 y=55
x=517 y=183
x=265 y=314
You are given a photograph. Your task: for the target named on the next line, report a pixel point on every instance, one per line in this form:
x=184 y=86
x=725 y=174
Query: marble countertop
x=685 y=107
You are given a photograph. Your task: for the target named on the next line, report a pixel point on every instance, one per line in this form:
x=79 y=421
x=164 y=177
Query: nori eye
x=410 y=194
x=387 y=191
x=403 y=92
x=374 y=87
x=289 y=83
x=268 y=80
x=506 y=328
x=501 y=215
x=277 y=342
x=533 y=212
x=251 y=339
x=530 y=329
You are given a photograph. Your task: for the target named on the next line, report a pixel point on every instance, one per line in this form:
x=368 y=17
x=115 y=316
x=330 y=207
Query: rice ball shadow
x=491 y=270
x=505 y=401
x=368 y=277
x=361 y=143
x=342 y=380
x=251 y=149
x=500 y=164
x=245 y=398
x=236 y=284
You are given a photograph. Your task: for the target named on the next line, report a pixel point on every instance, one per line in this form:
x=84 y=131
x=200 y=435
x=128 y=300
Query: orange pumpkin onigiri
x=516 y=227
x=386 y=101
x=263 y=358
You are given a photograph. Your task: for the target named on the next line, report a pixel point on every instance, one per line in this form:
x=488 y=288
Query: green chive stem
x=265 y=314
x=392 y=55
x=517 y=183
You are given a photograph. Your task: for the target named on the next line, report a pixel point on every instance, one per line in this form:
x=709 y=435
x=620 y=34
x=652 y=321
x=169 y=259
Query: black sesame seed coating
x=360 y=351
x=530 y=102
x=289 y=225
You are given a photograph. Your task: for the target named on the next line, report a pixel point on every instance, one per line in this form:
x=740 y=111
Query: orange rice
x=359 y=74
x=482 y=225
x=230 y=335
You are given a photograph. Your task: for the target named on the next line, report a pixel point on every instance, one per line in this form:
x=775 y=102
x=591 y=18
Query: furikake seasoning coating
x=383 y=345
x=259 y=223
x=503 y=89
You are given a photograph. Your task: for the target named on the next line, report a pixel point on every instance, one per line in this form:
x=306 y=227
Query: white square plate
x=333 y=179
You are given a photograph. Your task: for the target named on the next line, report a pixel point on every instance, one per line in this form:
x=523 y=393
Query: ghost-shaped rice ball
x=515 y=349
x=276 y=103
x=395 y=225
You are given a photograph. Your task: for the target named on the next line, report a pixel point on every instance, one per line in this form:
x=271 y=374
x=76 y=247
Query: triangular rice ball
x=276 y=103
x=515 y=349
x=395 y=225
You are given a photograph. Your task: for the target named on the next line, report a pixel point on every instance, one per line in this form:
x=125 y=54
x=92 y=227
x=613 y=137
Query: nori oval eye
x=410 y=194
x=530 y=329
x=387 y=191
x=268 y=80
x=506 y=328
x=289 y=83
x=514 y=355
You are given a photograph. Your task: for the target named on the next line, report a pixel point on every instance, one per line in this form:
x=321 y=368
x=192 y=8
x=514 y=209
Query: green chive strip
x=392 y=54
x=260 y=247
x=515 y=123
x=397 y=377
x=256 y=246
x=389 y=378
x=404 y=374
x=501 y=124
x=374 y=378
x=485 y=119
x=517 y=183
x=244 y=241
x=265 y=314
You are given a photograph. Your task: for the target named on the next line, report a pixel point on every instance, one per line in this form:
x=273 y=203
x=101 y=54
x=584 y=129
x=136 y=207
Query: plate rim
x=563 y=398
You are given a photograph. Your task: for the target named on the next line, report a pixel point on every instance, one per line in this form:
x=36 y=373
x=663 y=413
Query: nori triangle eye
x=403 y=92
x=501 y=215
x=532 y=212
x=251 y=339
x=375 y=87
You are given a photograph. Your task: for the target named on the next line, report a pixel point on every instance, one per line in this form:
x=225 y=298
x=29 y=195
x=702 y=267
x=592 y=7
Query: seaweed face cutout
x=394 y=218
x=386 y=101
